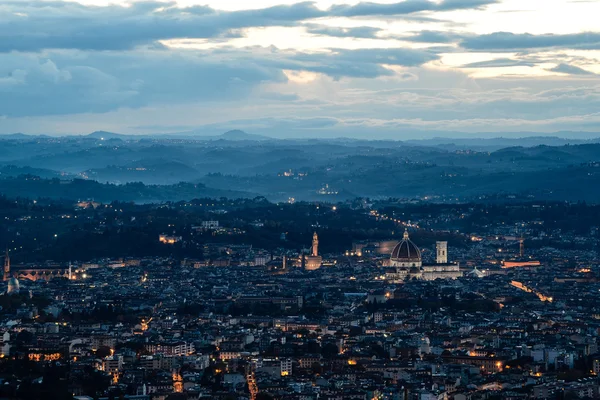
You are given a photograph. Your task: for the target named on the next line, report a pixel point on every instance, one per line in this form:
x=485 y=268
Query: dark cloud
x=570 y=69
x=68 y=82
x=364 y=9
x=58 y=25
x=500 y=63
x=426 y=36
x=61 y=58
x=32 y=26
x=507 y=41
x=361 y=63
x=362 y=32
x=450 y=5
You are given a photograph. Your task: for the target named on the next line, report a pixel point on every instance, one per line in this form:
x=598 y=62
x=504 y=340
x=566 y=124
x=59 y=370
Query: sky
x=387 y=69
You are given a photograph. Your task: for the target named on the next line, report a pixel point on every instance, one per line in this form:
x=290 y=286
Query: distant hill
x=241 y=135
x=153 y=171
x=280 y=169
x=495 y=143
x=34 y=187
x=234 y=135
x=20 y=136
x=103 y=135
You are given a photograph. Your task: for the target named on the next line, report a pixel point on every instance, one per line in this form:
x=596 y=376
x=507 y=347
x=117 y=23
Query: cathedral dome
x=13 y=285
x=406 y=251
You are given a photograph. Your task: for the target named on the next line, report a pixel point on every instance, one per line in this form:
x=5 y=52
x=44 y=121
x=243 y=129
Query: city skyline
x=388 y=69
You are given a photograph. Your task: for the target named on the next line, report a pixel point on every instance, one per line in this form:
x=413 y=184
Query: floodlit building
x=314 y=260
x=406 y=263
x=169 y=239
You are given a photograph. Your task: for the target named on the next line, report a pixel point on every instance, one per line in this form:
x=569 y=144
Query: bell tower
x=315 y=245
x=442 y=252
x=6 y=266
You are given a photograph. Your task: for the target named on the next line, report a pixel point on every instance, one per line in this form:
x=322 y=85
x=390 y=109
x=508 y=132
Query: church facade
x=406 y=263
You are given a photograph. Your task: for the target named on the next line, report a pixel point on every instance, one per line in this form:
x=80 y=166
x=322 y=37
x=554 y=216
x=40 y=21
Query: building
x=283 y=302
x=113 y=364
x=42 y=274
x=13 y=286
x=168 y=239
x=486 y=364
x=441 y=252
x=275 y=366
x=210 y=225
x=314 y=260
x=520 y=263
x=13 y=283
x=6 y=266
x=179 y=348
x=406 y=263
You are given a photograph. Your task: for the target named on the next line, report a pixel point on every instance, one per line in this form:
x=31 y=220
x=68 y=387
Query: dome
x=13 y=285
x=406 y=251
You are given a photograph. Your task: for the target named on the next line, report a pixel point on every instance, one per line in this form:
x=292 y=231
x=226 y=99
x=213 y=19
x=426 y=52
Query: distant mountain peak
x=237 y=134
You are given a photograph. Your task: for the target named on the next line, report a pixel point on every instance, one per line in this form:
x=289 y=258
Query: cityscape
x=352 y=300
x=300 y=199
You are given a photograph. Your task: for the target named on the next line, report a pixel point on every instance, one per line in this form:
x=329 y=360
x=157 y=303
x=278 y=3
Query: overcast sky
x=383 y=69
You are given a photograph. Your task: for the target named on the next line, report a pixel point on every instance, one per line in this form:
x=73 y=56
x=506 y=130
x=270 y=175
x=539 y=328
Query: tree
x=329 y=350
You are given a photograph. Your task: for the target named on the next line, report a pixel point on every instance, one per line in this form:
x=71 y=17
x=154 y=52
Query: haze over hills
x=240 y=164
x=229 y=135
x=429 y=138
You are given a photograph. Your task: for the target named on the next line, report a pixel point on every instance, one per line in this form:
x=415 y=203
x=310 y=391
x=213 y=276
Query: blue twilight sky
x=382 y=69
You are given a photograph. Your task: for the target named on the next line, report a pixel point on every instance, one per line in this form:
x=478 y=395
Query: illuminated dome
x=13 y=285
x=406 y=253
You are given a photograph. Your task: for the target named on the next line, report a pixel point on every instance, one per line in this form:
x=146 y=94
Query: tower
x=442 y=252
x=314 y=260
x=6 y=267
x=521 y=247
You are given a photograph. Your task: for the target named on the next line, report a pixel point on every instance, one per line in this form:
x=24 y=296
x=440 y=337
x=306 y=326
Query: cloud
x=363 y=32
x=279 y=96
x=507 y=41
x=336 y=63
x=363 y=63
x=500 y=63
x=570 y=69
x=71 y=65
x=365 y=9
x=439 y=103
x=70 y=25
x=451 y=5
x=66 y=82
x=70 y=82
x=32 y=26
x=426 y=36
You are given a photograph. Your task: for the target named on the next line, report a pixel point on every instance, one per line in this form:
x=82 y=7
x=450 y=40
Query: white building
x=406 y=263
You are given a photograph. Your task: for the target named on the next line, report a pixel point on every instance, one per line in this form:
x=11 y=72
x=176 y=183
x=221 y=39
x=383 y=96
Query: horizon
x=513 y=136
x=384 y=70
